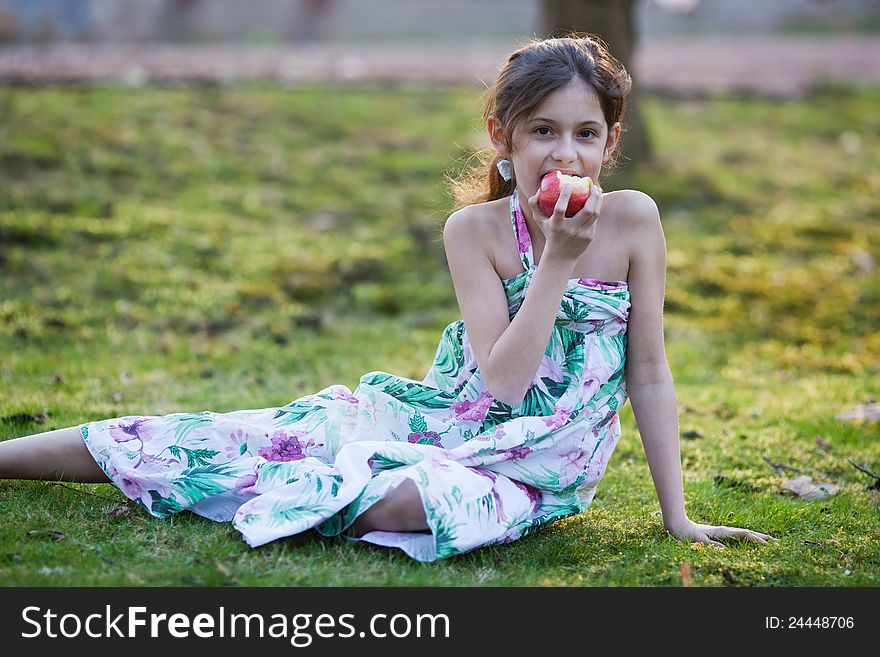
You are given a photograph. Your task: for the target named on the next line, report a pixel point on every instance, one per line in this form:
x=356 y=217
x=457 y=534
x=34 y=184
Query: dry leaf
x=685 y=572
x=863 y=260
x=730 y=482
x=54 y=534
x=118 y=512
x=223 y=569
x=19 y=418
x=57 y=570
x=804 y=488
x=869 y=411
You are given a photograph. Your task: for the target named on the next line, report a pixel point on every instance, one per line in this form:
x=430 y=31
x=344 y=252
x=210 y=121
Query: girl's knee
x=401 y=510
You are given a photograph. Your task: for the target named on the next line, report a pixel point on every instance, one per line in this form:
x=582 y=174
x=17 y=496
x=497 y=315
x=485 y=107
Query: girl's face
x=566 y=133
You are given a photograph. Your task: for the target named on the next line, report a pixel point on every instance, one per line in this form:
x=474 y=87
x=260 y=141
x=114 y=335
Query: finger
x=562 y=202
x=537 y=213
x=591 y=207
x=533 y=201
x=746 y=534
x=709 y=541
x=590 y=212
x=738 y=534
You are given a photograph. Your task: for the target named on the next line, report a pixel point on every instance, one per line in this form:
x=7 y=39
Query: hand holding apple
x=551 y=186
x=568 y=231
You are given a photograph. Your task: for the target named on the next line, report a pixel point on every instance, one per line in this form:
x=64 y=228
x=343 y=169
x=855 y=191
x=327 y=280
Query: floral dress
x=487 y=472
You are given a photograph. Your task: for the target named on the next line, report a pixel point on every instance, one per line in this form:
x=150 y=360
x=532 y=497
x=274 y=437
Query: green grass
x=184 y=249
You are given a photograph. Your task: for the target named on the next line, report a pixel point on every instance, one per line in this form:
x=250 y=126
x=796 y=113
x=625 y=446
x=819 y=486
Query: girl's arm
x=648 y=378
x=509 y=353
x=517 y=354
x=649 y=381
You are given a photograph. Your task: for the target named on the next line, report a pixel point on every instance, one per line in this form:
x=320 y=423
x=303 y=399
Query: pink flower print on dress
x=150 y=463
x=604 y=285
x=343 y=394
x=284 y=447
x=424 y=438
x=237 y=444
x=550 y=369
x=559 y=418
x=474 y=411
x=128 y=484
x=499 y=434
x=368 y=409
x=498 y=501
x=596 y=467
x=242 y=484
x=136 y=430
x=518 y=453
x=589 y=387
x=531 y=492
x=522 y=232
x=132 y=488
x=571 y=464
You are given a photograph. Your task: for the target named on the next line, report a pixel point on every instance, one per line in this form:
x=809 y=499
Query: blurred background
x=417 y=20
x=776 y=49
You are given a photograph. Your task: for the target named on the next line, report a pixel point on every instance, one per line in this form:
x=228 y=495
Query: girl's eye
x=544 y=130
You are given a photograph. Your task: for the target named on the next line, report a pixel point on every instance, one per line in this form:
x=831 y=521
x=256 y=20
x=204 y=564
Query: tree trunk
x=614 y=21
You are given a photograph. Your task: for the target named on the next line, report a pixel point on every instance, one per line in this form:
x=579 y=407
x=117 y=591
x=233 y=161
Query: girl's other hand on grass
x=697 y=533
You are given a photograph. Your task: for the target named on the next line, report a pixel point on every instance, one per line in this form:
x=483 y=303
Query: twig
x=864 y=469
x=782 y=466
x=77 y=490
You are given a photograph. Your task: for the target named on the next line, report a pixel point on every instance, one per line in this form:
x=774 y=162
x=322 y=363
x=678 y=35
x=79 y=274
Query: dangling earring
x=505 y=168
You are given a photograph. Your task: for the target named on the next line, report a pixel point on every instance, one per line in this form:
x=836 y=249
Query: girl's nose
x=564 y=150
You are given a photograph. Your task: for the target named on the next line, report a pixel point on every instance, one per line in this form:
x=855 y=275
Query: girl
x=516 y=420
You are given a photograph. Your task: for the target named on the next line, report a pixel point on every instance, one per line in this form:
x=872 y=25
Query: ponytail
x=481 y=182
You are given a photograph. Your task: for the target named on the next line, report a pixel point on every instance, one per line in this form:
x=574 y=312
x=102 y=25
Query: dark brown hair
x=530 y=74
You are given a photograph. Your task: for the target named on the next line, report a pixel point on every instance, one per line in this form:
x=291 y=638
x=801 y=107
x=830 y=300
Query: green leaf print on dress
x=486 y=472
x=189 y=422
x=194 y=457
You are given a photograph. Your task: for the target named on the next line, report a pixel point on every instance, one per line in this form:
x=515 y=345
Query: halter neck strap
x=521 y=231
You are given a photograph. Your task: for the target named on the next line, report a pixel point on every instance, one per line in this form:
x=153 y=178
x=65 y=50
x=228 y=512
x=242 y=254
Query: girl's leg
x=59 y=455
x=401 y=510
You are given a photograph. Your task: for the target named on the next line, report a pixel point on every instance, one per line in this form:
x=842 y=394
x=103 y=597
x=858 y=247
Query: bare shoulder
x=481 y=215
x=477 y=222
x=632 y=208
x=637 y=220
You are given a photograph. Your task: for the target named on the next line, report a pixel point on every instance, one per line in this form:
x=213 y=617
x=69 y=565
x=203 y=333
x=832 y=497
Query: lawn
x=168 y=249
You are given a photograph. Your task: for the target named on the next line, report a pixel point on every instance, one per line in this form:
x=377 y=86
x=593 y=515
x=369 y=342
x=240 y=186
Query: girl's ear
x=611 y=141
x=496 y=135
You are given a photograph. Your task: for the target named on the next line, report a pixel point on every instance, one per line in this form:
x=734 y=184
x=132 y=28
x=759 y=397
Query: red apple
x=551 y=186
